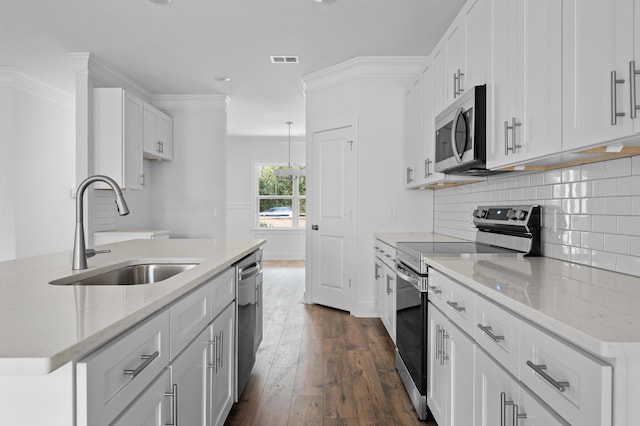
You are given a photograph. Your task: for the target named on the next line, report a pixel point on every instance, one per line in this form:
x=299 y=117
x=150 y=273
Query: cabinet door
x=439 y=78
x=475 y=34
x=437 y=372
x=189 y=379
x=597 y=40
x=525 y=121
x=537 y=414
x=378 y=277
x=165 y=135
x=389 y=319
x=409 y=163
x=495 y=390
x=222 y=365
x=454 y=45
x=151 y=140
x=460 y=351
x=133 y=174
x=428 y=125
x=259 y=312
x=153 y=407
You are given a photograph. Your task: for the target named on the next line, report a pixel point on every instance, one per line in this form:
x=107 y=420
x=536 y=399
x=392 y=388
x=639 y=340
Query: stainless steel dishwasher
x=249 y=321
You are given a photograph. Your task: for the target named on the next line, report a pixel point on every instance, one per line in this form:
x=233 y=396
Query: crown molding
x=364 y=67
x=86 y=64
x=9 y=77
x=192 y=102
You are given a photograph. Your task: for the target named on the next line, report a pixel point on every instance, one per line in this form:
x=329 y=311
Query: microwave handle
x=454 y=147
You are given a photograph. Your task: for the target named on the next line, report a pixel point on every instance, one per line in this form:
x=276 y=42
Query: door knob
x=314 y=227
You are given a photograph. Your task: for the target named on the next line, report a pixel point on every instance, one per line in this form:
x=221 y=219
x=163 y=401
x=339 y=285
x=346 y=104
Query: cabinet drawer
x=385 y=252
x=576 y=385
x=498 y=332
x=189 y=316
x=455 y=300
x=151 y=407
x=113 y=376
x=439 y=289
x=224 y=290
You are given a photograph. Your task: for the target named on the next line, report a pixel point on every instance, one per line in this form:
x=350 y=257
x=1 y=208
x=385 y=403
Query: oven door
x=411 y=324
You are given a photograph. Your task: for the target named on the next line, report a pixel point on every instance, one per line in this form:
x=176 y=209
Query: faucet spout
x=79 y=249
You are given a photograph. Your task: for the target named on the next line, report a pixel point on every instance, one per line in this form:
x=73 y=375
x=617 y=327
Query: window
x=281 y=200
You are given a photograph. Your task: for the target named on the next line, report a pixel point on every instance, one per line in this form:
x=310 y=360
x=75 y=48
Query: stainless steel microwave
x=461 y=135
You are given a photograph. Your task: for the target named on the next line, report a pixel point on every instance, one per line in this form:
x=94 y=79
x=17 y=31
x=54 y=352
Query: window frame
x=295 y=197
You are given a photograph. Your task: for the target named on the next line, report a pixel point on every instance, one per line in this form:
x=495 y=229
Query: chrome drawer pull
x=434 y=289
x=488 y=332
x=614 y=98
x=539 y=368
x=455 y=306
x=148 y=359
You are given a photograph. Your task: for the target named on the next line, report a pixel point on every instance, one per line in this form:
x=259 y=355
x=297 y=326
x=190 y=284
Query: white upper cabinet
x=598 y=45
x=524 y=89
x=158 y=138
x=118 y=133
x=460 y=58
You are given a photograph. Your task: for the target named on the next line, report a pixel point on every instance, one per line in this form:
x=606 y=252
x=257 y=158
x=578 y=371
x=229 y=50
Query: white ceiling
x=180 y=48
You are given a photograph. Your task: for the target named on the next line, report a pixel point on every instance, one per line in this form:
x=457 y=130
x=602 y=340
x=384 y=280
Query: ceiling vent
x=285 y=59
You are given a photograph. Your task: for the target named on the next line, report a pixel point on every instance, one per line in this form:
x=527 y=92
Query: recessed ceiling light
x=161 y=1
x=223 y=78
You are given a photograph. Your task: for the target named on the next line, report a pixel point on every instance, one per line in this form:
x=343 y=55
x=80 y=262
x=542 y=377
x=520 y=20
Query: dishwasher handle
x=250 y=272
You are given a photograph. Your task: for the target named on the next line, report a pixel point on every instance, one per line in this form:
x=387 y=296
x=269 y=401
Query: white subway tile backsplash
x=553 y=176
x=592 y=240
x=618 y=205
x=597 y=210
x=581 y=222
x=605 y=187
x=592 y=171
x=570 y=174
x=618 y=167
x=614 y=243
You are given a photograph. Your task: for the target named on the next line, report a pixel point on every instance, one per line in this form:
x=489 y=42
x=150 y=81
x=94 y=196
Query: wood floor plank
x=320 y=366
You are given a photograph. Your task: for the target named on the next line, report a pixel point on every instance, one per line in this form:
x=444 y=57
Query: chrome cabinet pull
x=220 y=350
x=517 y=416
x=409 y=175
x=455 y=82
x=514 y=145
x=455 y=306
x=438 y=341
x=503 y=407
x=445 y=357
x=376 y=274
x=213 y=344
x=539 y=369
x=488 y=331
x=460 y=89
x=148 y=359
x=434 y=289
x=632 y=89
x=389 y=289
x=174 y=405
x=614 y=98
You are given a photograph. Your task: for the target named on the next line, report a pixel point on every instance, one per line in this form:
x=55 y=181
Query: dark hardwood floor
x=319 y=366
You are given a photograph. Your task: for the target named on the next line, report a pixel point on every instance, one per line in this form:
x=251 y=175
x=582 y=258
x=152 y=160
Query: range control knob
x=511 y=214
x=481 y=214
x=522 y=214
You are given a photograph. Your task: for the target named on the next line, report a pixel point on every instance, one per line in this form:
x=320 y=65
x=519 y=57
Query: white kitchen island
x=46 y=329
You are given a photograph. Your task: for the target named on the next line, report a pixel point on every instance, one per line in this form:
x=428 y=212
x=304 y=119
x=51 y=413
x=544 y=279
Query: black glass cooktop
x=450 y=248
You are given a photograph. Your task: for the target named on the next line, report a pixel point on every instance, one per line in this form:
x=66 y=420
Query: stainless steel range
x=501 y=231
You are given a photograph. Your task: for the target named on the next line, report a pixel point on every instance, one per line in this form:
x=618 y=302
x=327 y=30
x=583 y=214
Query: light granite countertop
x=595 y=309
x=392 y=238
x=44 y=326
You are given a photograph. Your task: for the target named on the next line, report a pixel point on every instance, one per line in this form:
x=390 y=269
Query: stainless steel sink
x=146 y=273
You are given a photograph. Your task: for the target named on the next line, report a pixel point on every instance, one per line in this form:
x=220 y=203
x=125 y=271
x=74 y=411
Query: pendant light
x=289 y=171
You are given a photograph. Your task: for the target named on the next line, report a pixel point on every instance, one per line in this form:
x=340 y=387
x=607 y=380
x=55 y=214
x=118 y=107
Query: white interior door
x=333 y=213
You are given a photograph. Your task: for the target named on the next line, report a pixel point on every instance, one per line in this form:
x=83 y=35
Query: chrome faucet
x=80 y=254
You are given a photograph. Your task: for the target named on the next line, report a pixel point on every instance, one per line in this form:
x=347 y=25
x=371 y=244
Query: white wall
x=596 y=209
x=370 y=92
x=188 y=193
x=244 y=153
x=37 y=168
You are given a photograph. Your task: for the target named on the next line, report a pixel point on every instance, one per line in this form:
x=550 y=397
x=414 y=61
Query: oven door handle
x=406 y=275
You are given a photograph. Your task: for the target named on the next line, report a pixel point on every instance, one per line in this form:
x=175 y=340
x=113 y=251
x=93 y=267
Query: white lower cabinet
x=450 y=366
x=153 y=407
x=385 y=278
x=502 y=401
x=221 y=366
